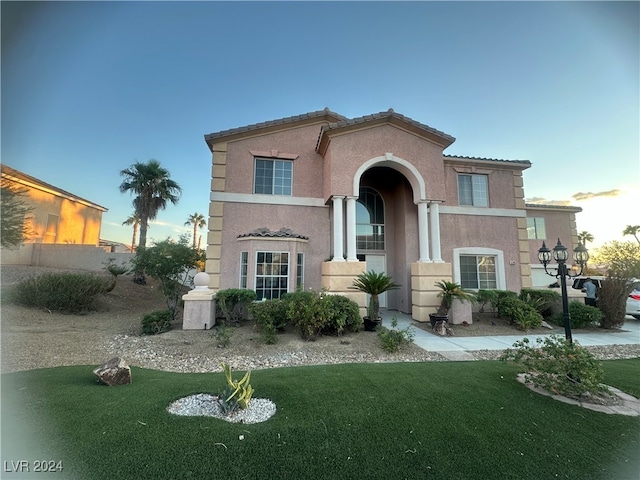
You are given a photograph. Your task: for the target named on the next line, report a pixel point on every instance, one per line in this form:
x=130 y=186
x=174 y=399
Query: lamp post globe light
x=560 y=255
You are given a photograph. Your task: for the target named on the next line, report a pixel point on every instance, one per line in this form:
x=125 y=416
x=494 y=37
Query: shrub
x=581 y=315
x=115 y=270
x=171 y=263
x=487 y=296
x=234 y=303
x=542 y=300
x=612 y=300
x=344 y=314
x=521 y=313
x=65 y=292
x=156 y=322
x=391 y=339
x=270 y=316
x=558 y=366
x=223 y=334
x=308 y=313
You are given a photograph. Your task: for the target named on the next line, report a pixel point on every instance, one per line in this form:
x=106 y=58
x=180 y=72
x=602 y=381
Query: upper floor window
x=273 y=177
x=536 y=229
x=473 y=190
x=369 y=220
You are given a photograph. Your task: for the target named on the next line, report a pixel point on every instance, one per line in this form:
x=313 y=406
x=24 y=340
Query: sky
x=90 y=88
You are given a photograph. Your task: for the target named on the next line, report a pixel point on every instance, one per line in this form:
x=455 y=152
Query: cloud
x=546 y=201
x=579 y=197
x=587 y=195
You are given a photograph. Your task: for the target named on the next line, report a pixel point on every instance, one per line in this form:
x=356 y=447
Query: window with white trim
x=536 y=229
x=273 y=177
x=272 y=274
x=369 y=220
x=300 y=271
x=473 y=190
x=478 y=272
x=244 y=265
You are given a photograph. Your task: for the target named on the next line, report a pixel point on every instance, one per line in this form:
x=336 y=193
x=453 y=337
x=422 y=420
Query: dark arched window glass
x=369 y=220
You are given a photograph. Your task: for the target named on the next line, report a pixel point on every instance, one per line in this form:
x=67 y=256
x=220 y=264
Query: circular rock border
x=627 y=404
x=206 y=405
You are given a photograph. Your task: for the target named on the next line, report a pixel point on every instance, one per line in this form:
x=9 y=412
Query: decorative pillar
x=434 y=217
x=338 y=235
x=351 y=229
x=199 y=305
x=423 y=231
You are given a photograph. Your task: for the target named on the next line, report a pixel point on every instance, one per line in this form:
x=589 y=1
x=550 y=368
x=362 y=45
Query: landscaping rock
x=114 y=372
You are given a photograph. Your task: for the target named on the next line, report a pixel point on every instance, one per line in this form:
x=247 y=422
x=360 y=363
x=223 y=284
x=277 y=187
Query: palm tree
x=198 y=221
x=375 y=284
x=632 y=230
x=153 y=187
x=585 y=237
x=135 y=221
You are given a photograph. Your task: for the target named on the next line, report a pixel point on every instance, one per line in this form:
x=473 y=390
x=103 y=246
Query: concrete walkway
x=457 y=348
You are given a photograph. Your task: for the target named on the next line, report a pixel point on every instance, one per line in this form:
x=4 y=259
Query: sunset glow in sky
x=89 y=88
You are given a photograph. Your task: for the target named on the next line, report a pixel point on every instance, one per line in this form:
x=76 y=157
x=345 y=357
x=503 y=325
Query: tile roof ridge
x=278 y=121
x=467 y=157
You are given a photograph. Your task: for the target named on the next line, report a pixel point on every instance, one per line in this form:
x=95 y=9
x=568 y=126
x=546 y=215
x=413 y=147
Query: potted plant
x=373 y=284
x=449 y=291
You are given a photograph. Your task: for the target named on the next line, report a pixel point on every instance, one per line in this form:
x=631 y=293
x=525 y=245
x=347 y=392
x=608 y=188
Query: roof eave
x=325 y=116
x=518 y=164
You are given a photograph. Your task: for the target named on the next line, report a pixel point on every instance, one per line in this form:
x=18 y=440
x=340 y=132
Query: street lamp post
x=560 y=255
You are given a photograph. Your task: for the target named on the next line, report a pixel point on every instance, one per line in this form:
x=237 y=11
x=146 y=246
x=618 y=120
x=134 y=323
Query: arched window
x=369 y=220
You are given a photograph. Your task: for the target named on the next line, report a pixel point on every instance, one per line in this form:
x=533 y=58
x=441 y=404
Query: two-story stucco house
x=313 y=200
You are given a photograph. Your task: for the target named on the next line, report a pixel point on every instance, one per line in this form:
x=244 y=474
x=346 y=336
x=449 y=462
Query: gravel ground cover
x=33 y=338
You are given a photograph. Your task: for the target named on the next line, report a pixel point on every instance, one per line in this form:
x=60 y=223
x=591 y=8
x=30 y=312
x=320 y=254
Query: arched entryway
x=387 y=230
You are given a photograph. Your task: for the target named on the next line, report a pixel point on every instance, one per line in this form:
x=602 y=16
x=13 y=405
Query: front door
x=377 y=263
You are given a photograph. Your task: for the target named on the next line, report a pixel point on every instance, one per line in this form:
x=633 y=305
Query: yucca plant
x=374 y=283
x=449 y=291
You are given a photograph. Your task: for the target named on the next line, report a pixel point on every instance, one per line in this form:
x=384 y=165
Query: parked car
x=633 y=302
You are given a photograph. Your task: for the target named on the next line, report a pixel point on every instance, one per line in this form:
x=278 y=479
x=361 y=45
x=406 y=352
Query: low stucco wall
x=82 y=257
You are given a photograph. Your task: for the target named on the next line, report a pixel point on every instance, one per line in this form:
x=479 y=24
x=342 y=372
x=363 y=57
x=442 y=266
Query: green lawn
x=449 y=420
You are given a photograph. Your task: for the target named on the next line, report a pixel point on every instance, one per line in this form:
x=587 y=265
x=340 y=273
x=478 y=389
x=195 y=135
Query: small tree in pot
x=449 y=291
x=373 y=284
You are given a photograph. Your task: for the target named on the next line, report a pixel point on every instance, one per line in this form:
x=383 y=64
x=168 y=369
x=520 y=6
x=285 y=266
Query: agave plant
x=448 y=292
x=374 y=284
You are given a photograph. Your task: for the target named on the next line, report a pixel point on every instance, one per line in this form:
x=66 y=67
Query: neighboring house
x=311 y=201
x=65 y=229
x=58 y=216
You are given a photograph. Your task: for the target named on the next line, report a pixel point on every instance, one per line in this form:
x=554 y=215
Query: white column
x=351 y=229
x=423 y=231
x=338 y=235
x=434 y=217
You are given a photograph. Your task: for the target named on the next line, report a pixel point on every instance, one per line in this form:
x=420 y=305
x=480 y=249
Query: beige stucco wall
x=81 y=257
x=78 y=223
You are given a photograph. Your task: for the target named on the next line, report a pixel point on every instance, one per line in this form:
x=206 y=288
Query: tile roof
x=318 y=114
x=553 y=207
x=388 y=116
x=483 y=159
x=13 y=175
x=265 y=232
